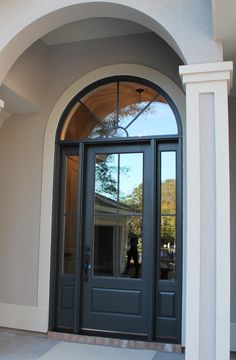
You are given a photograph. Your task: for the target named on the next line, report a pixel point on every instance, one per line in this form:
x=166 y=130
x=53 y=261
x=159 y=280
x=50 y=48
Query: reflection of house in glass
x=113 y=223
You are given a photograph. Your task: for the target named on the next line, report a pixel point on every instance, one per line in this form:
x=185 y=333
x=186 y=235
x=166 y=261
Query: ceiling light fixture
x=139 y=91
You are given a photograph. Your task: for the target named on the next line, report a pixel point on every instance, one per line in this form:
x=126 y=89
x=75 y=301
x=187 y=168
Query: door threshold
x=115 y=342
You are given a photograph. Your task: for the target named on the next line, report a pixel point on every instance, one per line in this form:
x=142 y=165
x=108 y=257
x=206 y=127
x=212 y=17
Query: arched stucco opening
x=43 y=19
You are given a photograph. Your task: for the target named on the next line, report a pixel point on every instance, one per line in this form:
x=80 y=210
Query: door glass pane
x=106 y=172
x=104 y=250
x=105 y=214
x=131 y=181
x=168 y=215
x=70 y=214
x=118 y=202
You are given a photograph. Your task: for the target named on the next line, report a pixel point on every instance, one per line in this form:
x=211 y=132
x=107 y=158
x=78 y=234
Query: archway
x=50 y=18
x=43 y=19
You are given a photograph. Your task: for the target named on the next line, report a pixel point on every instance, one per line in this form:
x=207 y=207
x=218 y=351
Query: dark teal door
x=117 y=242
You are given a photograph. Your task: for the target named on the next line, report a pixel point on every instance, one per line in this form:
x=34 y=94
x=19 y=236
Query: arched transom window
x=120 y=108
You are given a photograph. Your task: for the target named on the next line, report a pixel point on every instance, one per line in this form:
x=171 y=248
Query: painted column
x=208 y=206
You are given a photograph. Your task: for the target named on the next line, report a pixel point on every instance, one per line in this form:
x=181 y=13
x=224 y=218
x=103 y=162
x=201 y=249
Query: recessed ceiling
x=94 y=28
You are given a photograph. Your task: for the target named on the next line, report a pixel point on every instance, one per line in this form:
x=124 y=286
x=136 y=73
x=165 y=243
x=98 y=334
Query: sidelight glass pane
x=71 y=185
x=70 y=213
x=168 y=182
x=130 y=246
x=168 y=247
x=69 y=243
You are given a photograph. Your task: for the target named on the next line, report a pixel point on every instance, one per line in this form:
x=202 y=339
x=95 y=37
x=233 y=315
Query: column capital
x=210 y=72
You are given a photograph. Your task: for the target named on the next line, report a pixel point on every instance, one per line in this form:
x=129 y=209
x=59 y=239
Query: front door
x=117 y=244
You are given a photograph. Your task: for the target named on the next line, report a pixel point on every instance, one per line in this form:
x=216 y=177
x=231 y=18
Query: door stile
x=79 y=234
x=55 y=234
x=179 y=225
x=152 y=247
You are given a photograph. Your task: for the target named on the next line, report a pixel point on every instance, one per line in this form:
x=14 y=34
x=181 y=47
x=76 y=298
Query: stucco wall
x=187 y=27
x=21 y=146
x=27 y=77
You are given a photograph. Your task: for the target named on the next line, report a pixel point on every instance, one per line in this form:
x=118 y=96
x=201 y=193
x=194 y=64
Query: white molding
x=193 y=222
x=1 y=104
x=163 y=81
x=222 y=220
x=24 y=317
x=233 y=336
x=207 y=72
x=208 y=79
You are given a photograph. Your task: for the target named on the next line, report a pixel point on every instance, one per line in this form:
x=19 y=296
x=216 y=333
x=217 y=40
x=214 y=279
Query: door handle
x=87 y=267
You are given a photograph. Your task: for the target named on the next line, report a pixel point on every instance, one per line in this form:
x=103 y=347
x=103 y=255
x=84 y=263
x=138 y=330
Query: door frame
x=80 y=146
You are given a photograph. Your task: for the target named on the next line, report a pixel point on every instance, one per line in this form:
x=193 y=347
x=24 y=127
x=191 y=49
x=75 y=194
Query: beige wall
x=20 y=180
x=21 y=145
x=27 y=76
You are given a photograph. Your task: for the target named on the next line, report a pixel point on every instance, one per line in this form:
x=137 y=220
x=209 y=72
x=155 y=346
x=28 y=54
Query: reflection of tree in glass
x=168 y=197
x=105 y=181
x=168 y=230
x=107 y=126
x=131 y=110
x=135 y=199
x=168 y=206
x=135 y=202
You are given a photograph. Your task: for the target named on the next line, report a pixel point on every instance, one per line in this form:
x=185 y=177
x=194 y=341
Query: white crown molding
x=198 y=73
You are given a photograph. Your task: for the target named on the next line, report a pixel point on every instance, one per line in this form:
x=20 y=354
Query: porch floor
x=17 y=346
